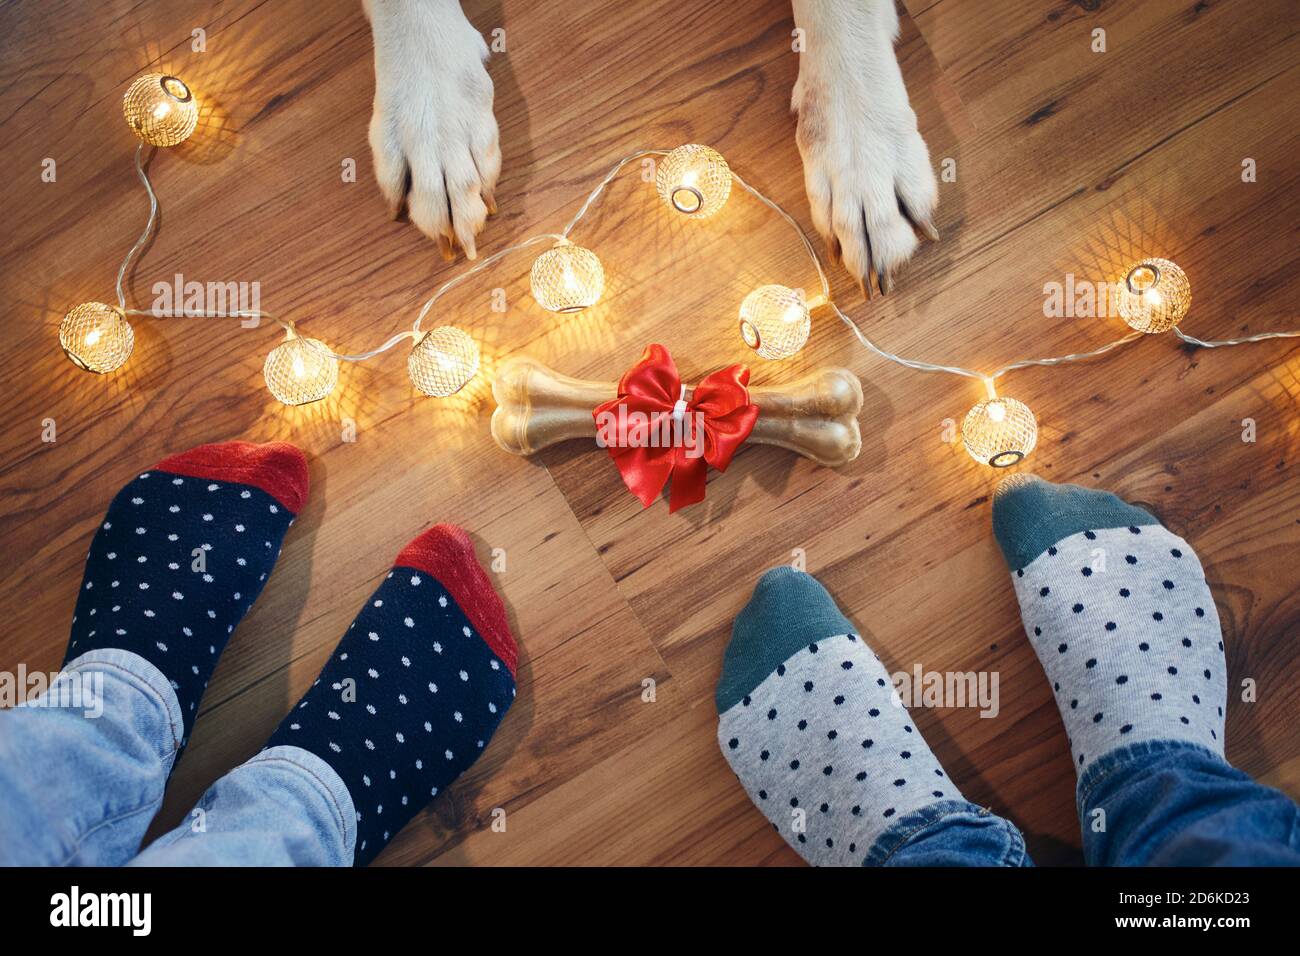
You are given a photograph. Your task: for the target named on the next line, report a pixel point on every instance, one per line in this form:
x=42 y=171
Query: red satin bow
x=648 y=445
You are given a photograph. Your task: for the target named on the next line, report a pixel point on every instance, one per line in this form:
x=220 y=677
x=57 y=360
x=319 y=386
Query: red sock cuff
x=276 y=467
x=446 y=553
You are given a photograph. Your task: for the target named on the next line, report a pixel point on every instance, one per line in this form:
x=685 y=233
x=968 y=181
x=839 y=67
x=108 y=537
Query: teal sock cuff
x=1030 y=515
x=788 y=611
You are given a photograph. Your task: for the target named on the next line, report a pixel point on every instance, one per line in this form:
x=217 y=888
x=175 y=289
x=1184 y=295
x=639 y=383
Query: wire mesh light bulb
x=1154 y=296
x=160 y=109
x=96 y=337
x=300 y=370
x=443 y=361
x=695 y=180
x=774 y=321
x=567 y=278
x=999 y=432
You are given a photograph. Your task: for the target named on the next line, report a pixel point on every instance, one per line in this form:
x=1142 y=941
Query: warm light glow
x=300 y=370
x=160 y=109
x=774 y=321
x=695 y=180
x=96 y=337
x=1154 y=296
x=567 y=278
x=443 y=361
x=999 y=432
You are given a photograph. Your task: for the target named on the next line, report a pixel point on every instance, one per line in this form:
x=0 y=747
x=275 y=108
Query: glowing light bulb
x=567 y=278
x=160 y=109
x=443 y=361
x=1154 y=296
x=96 y=337
x=774 y=321
x=695 y=180
x=999 y=431
x=300 y=370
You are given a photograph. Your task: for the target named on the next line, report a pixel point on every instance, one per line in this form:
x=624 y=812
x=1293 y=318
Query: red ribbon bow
x=653 y=432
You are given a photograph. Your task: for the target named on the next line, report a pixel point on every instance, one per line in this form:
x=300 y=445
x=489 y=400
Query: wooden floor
x=1068 y=161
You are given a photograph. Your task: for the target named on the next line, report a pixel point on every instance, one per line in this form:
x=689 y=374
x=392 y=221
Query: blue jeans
x=83 y=768
x=1160 y=803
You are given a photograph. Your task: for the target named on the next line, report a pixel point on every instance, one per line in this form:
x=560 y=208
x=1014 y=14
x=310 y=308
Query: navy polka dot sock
x=1119 y=613
x=414 y=690
x=181 y=555
x=812 y=726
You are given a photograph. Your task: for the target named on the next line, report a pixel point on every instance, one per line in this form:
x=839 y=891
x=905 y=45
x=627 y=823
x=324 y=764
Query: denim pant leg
x=950 y=833
x=1169 y=803
x=284 y=807
x=84 y=765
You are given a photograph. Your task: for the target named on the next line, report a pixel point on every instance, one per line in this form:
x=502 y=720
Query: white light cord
x=238 y=314
x=1192 y=340
x=609 y=178
x=415 y=333
x=479 y=267
x=362 y=356
x=807 y=244
x=1073 y=357
x=890 y=356
x=905 y=362
x=148 y=226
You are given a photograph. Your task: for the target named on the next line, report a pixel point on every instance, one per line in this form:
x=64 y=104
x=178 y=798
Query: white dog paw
x=866 y=169
x=433 y=135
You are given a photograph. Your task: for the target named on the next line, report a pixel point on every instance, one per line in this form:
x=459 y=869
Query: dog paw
x=866 y=168
x=433 y=135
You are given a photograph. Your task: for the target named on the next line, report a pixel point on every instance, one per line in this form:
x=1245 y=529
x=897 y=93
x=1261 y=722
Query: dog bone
x=815 y=416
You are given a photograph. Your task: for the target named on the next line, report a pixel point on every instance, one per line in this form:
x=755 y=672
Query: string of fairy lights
x=694 y=181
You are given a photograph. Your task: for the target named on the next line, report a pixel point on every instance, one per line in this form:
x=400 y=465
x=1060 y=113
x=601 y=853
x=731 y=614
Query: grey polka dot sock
x=810 y=723
x=1118 y=611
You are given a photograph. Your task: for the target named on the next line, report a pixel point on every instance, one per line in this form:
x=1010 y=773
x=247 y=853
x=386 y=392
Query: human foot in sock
x=414 y=690
x=1118 y=611
x=812 y=726
x=182 y=553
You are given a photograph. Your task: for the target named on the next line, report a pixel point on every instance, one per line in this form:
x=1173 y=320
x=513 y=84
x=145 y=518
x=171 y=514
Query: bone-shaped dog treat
x=815 y=416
